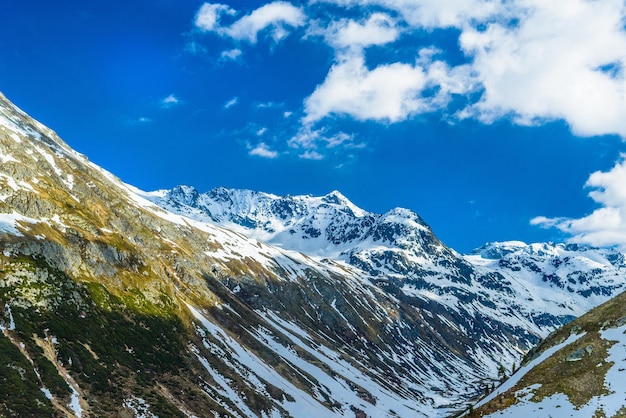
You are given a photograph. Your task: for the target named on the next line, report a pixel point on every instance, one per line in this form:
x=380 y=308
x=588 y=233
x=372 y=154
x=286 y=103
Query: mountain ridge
x=134 y=301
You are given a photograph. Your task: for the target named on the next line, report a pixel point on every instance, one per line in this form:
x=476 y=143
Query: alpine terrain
x=120 y=302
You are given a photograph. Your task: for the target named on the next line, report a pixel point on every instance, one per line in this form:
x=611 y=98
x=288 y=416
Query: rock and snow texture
x=557 y=280
x=504 y=296
x=611 y=403
x=339 y=309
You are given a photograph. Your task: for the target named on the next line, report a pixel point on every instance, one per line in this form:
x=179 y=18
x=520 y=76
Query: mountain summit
x=119 y=302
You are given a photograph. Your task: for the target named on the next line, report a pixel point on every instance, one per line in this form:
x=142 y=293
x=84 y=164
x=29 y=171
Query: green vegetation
x=579 y=380
x=20 y=394
x=111 y=349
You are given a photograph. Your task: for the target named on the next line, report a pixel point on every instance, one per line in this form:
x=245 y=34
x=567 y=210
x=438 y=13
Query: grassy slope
x=578 y=380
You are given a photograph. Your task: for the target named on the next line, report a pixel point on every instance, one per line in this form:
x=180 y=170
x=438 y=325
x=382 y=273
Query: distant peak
x=335 y=197
x=184 y=189
x=186 y=194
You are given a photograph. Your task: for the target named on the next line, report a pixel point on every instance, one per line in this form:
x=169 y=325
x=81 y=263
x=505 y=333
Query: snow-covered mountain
x=115 y=301
x=399 y=246
x=511 y=289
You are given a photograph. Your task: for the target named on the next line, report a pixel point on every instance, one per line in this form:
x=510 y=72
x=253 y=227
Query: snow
x=7 y=309
x=337 y=386
x=304 y=404
x=224 y=388
x=68 y=180
x=139 y=407
x=16 y=185
x=9 y=222
x=75 y=400
x=517 y=376
x=5 y=158
x=558 y=405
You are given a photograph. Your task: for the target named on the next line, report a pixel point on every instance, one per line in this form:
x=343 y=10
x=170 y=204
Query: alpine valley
x=124 y=303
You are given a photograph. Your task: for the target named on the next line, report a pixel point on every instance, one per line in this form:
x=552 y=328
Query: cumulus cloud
x=530 y=61
x=386 y=93
x=262 y=150
x=311 y=155
x=606 y=226
x=378 y=29
x=209 y=15
x=276 y=17
x=552 y=65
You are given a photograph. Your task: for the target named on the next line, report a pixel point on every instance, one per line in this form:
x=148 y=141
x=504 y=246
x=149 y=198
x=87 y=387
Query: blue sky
x=494 y=120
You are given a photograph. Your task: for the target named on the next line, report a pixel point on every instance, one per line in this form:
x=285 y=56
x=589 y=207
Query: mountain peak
x=335 y=197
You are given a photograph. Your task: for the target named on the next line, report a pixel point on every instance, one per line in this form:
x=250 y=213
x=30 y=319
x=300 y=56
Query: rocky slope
x=576 y=372
x=116 y=302
x=549 y=282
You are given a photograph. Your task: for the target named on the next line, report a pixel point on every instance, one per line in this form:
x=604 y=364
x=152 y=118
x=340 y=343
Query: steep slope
x=113 y=305
x=513 y=290
x=547 y=284
x=575 y=372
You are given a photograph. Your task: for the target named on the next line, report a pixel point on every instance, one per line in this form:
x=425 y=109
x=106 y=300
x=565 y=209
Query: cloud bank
x=526 y=61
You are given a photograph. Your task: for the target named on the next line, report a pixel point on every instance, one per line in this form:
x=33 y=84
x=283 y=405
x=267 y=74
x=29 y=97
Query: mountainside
x=562 y=281
x=576 y=371
x=118 y=302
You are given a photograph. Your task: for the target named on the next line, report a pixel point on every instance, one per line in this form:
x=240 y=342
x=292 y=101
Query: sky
x=494 y=120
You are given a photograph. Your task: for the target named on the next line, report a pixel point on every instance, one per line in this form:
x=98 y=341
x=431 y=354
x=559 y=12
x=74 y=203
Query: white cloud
x=276 y=16
x=378 y=29
x=170 y=101
x=387 y=93
x=263 y=150
x=533 y=60
x=606 y=226
x=311 y=155
x=310 y=139
x=140 y=121
x=231 y=54
x=209 y=15
x=432 y=13
x=268 y=105
x=232 y=102
x=548 y=66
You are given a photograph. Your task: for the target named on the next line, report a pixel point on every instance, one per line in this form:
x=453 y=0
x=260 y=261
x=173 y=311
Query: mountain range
x=120 y=302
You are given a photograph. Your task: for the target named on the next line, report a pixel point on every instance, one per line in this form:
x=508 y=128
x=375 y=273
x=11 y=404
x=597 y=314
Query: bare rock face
x=114 y=302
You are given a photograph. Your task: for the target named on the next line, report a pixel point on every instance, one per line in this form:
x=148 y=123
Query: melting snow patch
x=139 y=407
x=75 y=401
x=8 y=158
x=303 y=403
x=11 y=327
x=8 y=222
x=47 y=393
